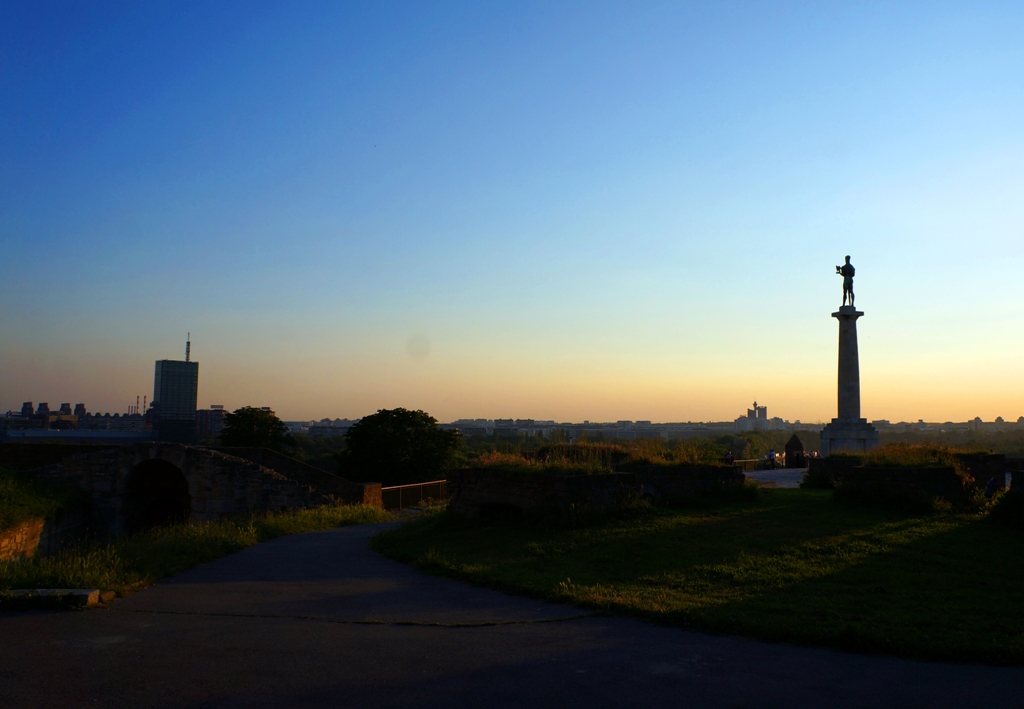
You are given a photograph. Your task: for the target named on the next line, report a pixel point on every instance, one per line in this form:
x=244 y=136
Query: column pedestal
x=856 y=436
x=848 y=432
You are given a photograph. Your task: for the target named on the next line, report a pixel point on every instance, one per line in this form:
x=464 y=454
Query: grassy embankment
x=134 y=562
x=790 y=566
x=22 y=499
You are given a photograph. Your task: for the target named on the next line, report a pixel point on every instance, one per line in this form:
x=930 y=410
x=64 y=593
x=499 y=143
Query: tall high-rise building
x=175 y=390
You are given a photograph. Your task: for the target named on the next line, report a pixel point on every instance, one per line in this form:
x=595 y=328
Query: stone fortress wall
x=476 y=492
x=938 y=481
x=191 y=483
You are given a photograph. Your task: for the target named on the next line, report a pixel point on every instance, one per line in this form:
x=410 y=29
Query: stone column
x=849 y=364
x=848 y=432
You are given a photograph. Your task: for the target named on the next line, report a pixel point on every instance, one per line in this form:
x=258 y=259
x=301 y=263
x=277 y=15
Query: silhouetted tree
x=397 y=447
x=252 y=427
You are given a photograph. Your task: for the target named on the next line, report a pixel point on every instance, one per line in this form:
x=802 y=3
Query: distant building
x=69 y=424
x=117 y=422
x=479 y=423
x=61 y=421
x=755 y=420
x=26 y=420
x=209 y=422
x=326 y=428
x=175 y=389
x=759 y=415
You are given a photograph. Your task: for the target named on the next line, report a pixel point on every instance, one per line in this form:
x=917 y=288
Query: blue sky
x=552 y=210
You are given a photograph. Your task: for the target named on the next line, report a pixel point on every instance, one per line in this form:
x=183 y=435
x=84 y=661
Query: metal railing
x=399 y=497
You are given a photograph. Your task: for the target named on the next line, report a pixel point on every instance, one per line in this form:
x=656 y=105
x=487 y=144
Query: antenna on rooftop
x=188 y=348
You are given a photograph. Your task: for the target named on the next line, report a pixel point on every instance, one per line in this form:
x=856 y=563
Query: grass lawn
x=136 y=561
x=791 y=566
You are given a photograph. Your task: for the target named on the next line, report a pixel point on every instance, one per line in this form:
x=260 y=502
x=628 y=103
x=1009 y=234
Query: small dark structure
x=795 y=457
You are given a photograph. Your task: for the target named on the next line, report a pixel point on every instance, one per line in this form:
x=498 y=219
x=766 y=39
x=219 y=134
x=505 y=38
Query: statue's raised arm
x=847 y=271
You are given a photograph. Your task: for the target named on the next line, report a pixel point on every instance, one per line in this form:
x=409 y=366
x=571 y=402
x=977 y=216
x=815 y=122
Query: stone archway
x=155 y=494
x=153 y=484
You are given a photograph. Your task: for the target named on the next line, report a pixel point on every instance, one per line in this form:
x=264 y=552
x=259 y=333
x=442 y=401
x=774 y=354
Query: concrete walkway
x=782 y=477
x=317 y=620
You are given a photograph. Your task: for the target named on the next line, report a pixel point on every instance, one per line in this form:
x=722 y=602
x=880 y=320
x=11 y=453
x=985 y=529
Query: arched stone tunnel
x=150 y=484
x=155 y=494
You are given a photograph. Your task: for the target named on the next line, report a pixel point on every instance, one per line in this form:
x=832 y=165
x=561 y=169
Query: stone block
x=848 y=435
x=22 y=540
x=50 y=598
x=939 y=481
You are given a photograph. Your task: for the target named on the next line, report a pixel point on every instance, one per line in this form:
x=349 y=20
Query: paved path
x=782 y=477
x=317 y=620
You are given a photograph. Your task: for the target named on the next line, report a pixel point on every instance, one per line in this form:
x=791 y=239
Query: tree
x=255 y=428
x=397 y=447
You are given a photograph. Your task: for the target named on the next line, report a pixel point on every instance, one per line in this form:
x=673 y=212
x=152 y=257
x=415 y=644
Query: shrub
x=688 y=451
x=697 y=451
x=397 y=447
x=257 y=428
x=595 y=455
x=902 y=455
x=590 y=458
x=551 y=463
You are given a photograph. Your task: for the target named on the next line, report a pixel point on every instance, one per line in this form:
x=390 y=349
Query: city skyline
x=83 y=409
x=551 y=211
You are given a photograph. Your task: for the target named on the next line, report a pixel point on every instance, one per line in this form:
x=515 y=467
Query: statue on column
x=846 y=271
